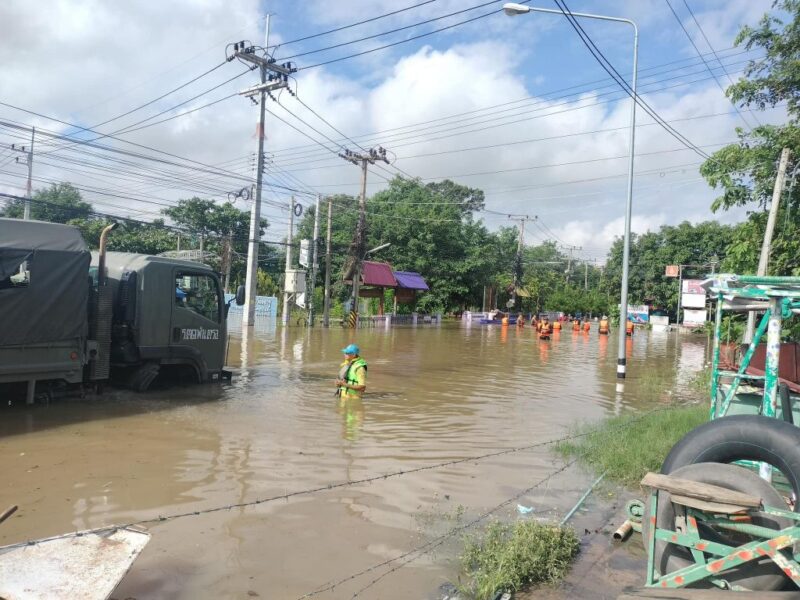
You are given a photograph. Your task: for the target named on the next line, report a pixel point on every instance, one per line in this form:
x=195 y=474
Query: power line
x=377 y=35
x=404 y=41
x=423 y=134
x=703 y=33
x=579 y=87
x=343 y=27
x=697 y=50
x=609 y=68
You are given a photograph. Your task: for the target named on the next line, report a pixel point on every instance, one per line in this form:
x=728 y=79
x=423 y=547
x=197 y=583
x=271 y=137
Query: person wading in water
x=352 y=379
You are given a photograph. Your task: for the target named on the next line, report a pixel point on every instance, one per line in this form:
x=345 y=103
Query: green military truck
x=72 y=318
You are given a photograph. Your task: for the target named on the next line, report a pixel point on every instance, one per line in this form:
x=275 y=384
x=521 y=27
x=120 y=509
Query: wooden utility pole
x=358 y=248
x=763 y=261
x=326 y=314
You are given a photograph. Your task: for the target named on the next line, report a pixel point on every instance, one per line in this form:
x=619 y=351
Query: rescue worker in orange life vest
x=352 y=379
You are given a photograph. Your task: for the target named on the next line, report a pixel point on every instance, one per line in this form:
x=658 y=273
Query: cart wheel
x=741 y=437
x=760 y=575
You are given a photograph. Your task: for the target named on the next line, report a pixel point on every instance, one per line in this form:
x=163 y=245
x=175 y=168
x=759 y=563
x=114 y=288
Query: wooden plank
x=699 y=491
x=709 y=507
x=683 y=594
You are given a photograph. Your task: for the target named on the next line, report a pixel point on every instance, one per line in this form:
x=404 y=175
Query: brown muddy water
x=434 y=394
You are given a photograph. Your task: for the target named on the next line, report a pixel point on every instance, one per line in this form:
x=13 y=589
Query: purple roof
x=410 y=280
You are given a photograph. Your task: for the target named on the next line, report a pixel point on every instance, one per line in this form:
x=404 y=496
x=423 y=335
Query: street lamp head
x=381 y=247
x=512 y=9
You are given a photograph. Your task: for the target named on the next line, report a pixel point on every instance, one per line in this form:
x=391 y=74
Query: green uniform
x=355 y=374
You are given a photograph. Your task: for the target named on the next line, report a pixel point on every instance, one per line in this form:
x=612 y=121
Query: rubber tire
x=760 y=575
x=741 y=437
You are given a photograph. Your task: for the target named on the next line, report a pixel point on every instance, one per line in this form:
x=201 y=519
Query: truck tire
x=760 y=575
x=741 y=437
x=143 y=377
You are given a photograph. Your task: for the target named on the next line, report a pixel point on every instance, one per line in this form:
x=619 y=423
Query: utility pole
x=228 y=258
x=26 y=213
x=326 y=314
x=569 y=261
x=286 y=293
x=310 y=292
x=358 y=248
x=586 y=276
x=763 y=261
x=518 y=259
x=273 y=77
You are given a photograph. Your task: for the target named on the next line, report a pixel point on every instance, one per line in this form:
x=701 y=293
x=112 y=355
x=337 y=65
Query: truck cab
x=168 y=315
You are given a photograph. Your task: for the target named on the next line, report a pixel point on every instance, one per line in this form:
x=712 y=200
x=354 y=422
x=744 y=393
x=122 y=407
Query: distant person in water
x=352 y=381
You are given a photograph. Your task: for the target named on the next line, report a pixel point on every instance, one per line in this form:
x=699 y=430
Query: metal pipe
x=583 y=498
x=623 y=531
x=101 y=261
x=8 y=512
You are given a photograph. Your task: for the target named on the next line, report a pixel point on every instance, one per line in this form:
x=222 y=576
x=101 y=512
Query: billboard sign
x=639 y=314
x=694 y=316
x=672 y=271
x=304 y=244
x=693 y=294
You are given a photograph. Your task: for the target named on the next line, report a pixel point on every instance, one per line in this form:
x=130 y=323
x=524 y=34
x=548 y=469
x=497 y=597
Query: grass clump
x=510 y=557
x=625 y=448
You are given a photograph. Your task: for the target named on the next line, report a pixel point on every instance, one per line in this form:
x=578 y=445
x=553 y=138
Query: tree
x=745 y=172
x=651 y=252
x=59 y=203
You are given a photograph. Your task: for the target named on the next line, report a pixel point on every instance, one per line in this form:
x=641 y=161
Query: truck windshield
x=198 y=293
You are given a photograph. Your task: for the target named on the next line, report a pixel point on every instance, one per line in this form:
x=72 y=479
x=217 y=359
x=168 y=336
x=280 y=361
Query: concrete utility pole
x=358 y=249
x=228 y=258
x=26 y=212
x=326 y=315
x=586 y=276
x=286 y=295
x=273 y=77
x=520 y=245
x=763 y=261
x=569 y=261
x=310 y=291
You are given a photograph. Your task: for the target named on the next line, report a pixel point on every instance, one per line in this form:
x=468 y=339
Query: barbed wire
x=324 y=488
x=436 y=542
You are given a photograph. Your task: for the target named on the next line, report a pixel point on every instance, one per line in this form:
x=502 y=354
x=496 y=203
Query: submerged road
x=435 y=394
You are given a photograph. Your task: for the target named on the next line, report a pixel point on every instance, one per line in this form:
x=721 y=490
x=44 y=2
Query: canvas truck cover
x=53 y=305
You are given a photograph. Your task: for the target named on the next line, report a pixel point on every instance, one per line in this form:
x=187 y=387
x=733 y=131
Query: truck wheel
x=760 y=575
x=143 y=377
x=741 y=437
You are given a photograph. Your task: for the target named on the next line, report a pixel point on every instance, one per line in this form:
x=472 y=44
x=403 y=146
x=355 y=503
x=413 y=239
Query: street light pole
x=513 y=9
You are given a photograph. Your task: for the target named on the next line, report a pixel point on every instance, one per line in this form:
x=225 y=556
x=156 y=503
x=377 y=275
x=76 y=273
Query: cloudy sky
x=515 y=106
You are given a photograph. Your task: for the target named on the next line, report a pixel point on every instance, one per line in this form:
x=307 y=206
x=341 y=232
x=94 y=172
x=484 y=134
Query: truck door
x=197 y=314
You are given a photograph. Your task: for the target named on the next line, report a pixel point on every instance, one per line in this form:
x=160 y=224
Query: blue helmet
x=351 y=349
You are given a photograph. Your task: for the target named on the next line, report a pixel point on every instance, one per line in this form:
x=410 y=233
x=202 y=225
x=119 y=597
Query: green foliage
x=511 y=557
x=432 y=231
x=775 y=77
x=745 y=172
x=651 y=252
x=59 y=203
x=628 y=446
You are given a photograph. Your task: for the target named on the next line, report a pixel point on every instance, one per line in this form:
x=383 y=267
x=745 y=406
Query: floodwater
x=435 y=394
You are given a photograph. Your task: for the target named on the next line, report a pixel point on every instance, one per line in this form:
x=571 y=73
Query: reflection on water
x=434 y=394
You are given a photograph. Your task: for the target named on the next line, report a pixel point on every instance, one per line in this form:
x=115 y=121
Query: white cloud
x=87 y=62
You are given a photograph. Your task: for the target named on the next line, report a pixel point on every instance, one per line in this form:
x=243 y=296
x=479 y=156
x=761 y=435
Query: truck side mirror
x=240 y=295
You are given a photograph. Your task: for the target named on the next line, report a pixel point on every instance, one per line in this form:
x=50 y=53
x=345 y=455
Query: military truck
x=74 y=318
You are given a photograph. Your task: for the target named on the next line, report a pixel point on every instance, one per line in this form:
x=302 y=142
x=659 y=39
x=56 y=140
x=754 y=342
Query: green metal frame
x=712 y=559
x=783 y=297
